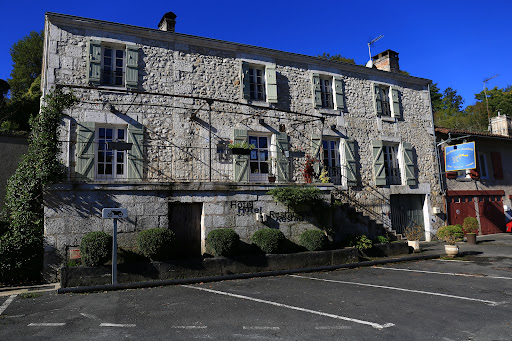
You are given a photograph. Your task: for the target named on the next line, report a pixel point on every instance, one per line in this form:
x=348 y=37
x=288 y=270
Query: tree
x=337 y=57
x=436 y=97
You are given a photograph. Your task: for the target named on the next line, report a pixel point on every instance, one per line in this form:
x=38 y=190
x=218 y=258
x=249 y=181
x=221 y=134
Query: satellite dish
x=369 y=64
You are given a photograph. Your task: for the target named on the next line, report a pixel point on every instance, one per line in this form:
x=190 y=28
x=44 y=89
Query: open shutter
x=316 y=144
x=132 y=66
x=338 y=89
x=395 y=97
x=349 y=151
x=378 y=163
x=496 y=165
x=283 y=168
x=85 y=151
x=408 y=157
x=317 y=91
x=271 y=82
x=94 y=62
x=245 y=81
x=240 y=162
x=378 y=99
x=135 y=155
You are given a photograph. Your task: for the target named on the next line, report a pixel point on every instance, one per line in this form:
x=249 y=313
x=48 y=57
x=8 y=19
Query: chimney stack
x=501 y=125
x=167 y=22
x=387 y=61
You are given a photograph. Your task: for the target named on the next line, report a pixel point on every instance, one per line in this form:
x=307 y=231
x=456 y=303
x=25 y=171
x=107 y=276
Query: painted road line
x=332 y=327
x=46 y=324
x=444 y=273
x=6 y=303
x=117 y=325
x=492 y=303
x=189 y=327
x=372 y=324
x=453 y=260
x=260 y=328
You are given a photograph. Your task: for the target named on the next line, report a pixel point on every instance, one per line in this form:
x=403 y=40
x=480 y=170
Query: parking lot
x=423 y=300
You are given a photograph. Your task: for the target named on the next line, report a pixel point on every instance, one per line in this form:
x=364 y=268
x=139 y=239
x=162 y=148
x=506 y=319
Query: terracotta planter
x=471 y=238
x=415 y=244
x=451 y=250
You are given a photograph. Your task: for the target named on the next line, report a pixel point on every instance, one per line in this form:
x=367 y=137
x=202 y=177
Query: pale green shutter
x=132 y=66
x=316 y=144
x=340 y=98
x=317 y=90
x=408 y=155
x=94 y=62
x=240 y=162
x=245 y=81
x=378 y=99
x=350 y=161
x=378 y=163
x=270 y=79
x=283 y=168
x=135 y=155
x=85 y=151
x=396 y=103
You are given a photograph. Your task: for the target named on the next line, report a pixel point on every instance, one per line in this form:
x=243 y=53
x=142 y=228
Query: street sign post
x=114 y=213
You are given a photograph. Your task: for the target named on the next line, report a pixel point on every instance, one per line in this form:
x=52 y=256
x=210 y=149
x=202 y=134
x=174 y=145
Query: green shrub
x=313 y=240
x=156 y=244
x=294 y=196
x=222 y=242
x=382 y=239
x=359 y=242
x=96 y=248
x=470 y=225
x=268 y=240
x=450 y=233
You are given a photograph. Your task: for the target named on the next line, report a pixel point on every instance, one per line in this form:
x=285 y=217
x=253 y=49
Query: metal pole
x=114 y=253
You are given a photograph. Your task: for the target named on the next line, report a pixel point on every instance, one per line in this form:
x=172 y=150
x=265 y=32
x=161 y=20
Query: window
x=386 y=101
x=331 y=159
x=258 y=82
x=113 y=66
x=394 y=163
x=259 y=158
x=482 y=164
x=110 y=163
x=391 y=166
x=328 y=92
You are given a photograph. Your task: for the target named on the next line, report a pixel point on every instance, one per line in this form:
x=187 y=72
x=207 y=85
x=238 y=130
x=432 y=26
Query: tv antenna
x=486 y=99
x=370 y=62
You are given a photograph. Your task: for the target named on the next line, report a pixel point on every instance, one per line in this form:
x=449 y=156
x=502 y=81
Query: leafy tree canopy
x=337 y=57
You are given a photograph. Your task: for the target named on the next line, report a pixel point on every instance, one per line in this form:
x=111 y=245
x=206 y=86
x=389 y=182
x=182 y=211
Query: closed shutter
x=395 y=97
x=349 y=150
x=132 y=66
x=240 y=162
x=271 y=83
x=378 y=163
x=245 y=81
x=410 y=169
x=475 y=173
x=377 y=100
x=338 y=89
x=317 y=90
x=496 y=165
x=283 y=168
x=85 y=151
x=94 y=62
x=135 y=155
x=316 y=144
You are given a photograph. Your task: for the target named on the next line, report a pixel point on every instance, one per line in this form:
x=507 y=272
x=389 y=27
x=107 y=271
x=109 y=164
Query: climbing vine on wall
x=21 y=242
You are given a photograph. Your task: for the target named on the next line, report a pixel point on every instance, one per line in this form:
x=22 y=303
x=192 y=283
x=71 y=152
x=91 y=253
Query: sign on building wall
x=460 y=156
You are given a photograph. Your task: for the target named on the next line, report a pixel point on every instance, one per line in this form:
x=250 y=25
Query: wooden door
x=185 y=221
x=459 y=208
x=492 y=216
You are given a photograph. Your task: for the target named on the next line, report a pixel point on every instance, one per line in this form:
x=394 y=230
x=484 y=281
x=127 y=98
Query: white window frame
x=253 y=81
x=327 y=92
x=334 y=168
x=393 y=161
x=261 y=177
x=114 y=49
x=386 y=92
x=97 y=163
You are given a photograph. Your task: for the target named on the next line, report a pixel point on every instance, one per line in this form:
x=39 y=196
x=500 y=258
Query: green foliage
x=294 y=196
x=157 y=243
x=222 y=242
x=269 y=240
x=21 y=246
x=243 y=145
x=450 y=233
x=359 y=242
x=19 y=110
x=337 y=58
x=313 y=240
x=470 y=225
x=382 y=239
x=96 y=248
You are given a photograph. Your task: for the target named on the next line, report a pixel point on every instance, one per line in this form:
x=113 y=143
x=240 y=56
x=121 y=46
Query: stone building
x=181 y=100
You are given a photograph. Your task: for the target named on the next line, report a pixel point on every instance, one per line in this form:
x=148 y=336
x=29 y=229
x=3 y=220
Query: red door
x=492 y=217
x=460 y=207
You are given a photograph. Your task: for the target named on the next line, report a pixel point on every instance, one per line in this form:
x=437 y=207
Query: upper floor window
x=391 y=166
x=328 y=92
x=113 y=66
x=331 y=159
x=386 y=101
x=258 y=82
x=394 y=163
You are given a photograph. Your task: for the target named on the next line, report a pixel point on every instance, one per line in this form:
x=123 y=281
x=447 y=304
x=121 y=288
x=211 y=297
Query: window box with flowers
x=240 y=148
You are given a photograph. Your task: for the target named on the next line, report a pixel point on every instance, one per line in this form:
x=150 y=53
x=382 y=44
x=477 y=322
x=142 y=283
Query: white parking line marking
x=491 y=303
x=453 y=260
x=189 y=327
x=46 y=324
x=332 y=327
x=374 y=325
x=89 y=316
x=444 y=273
x=261 y=328
x=6 y=303
x=117 y=325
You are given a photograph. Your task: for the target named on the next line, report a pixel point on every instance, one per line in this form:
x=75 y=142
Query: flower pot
x=471 y=238
x=415 y=244
x=240 y=151
x=451 y=250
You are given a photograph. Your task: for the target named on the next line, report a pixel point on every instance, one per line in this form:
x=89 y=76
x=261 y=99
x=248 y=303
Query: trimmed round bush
x=157 y=243
x=313 y=240
x=96 y=248
x=222 y=242
x=268 y=240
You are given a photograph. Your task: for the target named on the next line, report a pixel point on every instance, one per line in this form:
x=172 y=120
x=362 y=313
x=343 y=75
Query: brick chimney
x=167 y=22
x=386 y=61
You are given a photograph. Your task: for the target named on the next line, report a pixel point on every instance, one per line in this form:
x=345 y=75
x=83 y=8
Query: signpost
x=460 y=157
x=114 y=213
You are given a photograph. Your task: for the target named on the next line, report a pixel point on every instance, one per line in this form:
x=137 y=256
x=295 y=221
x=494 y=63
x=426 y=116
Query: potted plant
x=240 y=148
x=413 y=234
x=451 y=234
x=470 y=227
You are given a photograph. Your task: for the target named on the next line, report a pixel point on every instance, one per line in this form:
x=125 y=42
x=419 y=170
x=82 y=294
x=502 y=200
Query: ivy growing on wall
x=21 y=239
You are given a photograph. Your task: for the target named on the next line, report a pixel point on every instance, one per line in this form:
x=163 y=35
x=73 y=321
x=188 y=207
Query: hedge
x=269 y=240
x=157 y=243
x=222 y=242
x=313 y=240
x=96 y=248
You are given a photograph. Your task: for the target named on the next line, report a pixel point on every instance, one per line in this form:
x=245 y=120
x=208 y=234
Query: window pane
x=102 y=133
x=108 y=168
x=120 y=134
x=101 y=157
x=119 y=53
x=109 y=133
x=332 y=145
x=254 y=167
x=263 y=142
x=102 y=145
x=264 y=167
x=109 y=156
x=253 y=140
x=119 y=63
x=120 y=157
x=101 y=169
x=254 y=155
x=120 y=169
x=324 y=144
x=107 y=52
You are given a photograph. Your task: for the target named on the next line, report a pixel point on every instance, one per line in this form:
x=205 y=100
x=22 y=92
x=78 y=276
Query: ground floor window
x=259 y=158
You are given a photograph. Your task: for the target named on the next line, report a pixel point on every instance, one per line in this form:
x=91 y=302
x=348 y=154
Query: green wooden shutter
x=135 y=155
x=378 y=99
x=340 y=98
x=132 y=66
x=378 y=163
x=316 y=144
x=240 y=162
x=85 y=151
x=317 y=90
x=283 y=165
x=396 y=103
x=408 y=156
x=350 y=161
x=94 y=62
x=245 y=81
x=270 y=79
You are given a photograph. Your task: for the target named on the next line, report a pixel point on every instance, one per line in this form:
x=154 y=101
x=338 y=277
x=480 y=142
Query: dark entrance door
x=407 y=210
x=492 y=217
x=185 y=221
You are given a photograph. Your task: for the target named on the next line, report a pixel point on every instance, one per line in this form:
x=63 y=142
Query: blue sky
x=456 y=43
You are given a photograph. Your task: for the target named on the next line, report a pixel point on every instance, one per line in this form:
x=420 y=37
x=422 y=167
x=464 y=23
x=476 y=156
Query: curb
x=139 y=285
